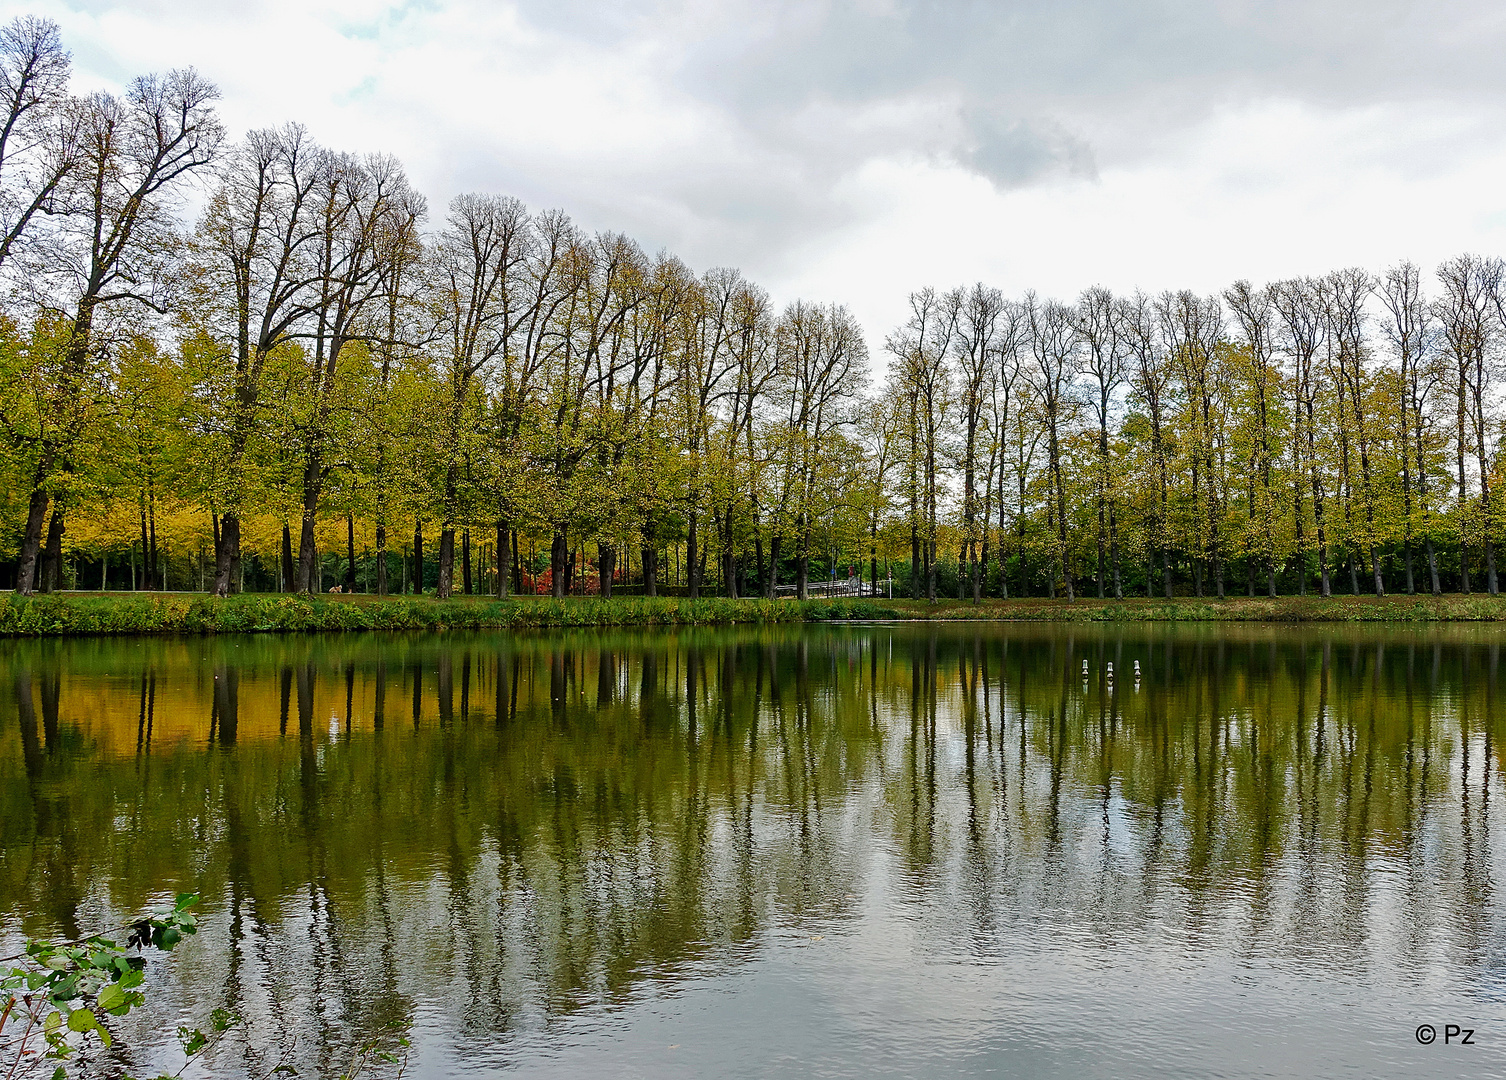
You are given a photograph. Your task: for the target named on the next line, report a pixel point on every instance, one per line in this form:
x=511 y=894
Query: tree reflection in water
x=572 y=819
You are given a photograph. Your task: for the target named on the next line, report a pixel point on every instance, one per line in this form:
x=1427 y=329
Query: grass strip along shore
x=147 y=613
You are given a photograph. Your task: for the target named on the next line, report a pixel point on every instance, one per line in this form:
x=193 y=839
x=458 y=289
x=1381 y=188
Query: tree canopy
x=272 y=394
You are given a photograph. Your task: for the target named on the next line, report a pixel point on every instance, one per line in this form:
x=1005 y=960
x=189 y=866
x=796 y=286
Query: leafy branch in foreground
x=55 y=996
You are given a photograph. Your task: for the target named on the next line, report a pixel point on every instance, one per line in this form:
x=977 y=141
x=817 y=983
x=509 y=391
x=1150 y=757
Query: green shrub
x=147 y=613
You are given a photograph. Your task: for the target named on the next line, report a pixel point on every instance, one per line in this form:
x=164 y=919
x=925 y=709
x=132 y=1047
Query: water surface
x=827 y=851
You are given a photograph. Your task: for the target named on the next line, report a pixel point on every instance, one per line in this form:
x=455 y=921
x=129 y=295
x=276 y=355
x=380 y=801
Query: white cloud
x=842 y=151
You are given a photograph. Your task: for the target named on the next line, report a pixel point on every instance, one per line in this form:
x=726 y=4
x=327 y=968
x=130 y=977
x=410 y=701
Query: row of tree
x=1339 y=426
x=307 y=361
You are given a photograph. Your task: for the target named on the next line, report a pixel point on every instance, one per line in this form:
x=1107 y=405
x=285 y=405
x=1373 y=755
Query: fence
x=853 y=586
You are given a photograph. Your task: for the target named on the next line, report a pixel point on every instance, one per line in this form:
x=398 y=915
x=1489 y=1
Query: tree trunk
x=227 y=547
x=758 y=561
x=1114 y=551
x=418 y=558
x=350 y=553
x=914 y=563
x=504 y=558
x=159 y=572
x=1020 y=547
x=606 y=566
x=310 y=577
x=51 y=572
x=287 y=558
x=147 y=577
x=230 y=534
x=31 y=542
x=692 y=558
x=446 y=583
x=1102 y=554
x=465 y=563
x=649 y=557
x=381 y=559
x=557 y=556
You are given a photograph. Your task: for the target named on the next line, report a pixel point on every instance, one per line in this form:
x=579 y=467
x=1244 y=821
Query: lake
x=839 y=851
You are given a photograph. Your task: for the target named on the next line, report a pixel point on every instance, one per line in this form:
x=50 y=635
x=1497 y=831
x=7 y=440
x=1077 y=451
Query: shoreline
x=83 y=614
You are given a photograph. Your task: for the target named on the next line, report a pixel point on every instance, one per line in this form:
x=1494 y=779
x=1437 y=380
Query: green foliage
x=145 y=614
x=62 y=616
x=1477 y=608
x=55 y=995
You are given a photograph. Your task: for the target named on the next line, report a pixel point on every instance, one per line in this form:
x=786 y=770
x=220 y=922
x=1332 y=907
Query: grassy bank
x=1281 y=609
x=146 y=613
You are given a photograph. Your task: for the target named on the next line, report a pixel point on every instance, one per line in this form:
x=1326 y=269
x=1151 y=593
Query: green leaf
x=82 y=1020
x=112 y=997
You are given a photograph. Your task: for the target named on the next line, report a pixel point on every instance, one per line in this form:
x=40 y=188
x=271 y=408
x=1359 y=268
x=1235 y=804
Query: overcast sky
x=854 y=151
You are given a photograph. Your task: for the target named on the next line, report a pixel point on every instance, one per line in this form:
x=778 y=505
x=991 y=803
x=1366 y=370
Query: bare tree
x=113 y=241
x=922 y=347
x=708 y=361
x=1255 y=314
x=355 y=200
x=1104 y=363
x=1464 y=311
x=39 y=127
x=255 y=255
x=479 y=297
x=750 y=342
x=823 y=356
x=1151 y=383
x=1193 y=329
x=976 y=314
x=1006 y=407
x=1411 y=332
x=1345 y=293
x=1057 y=360
x=1302 y=330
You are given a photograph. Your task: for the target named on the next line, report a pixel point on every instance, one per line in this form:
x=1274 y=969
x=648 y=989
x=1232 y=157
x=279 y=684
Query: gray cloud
x=770 y=133
x=1014 y=152
x=1038 y=87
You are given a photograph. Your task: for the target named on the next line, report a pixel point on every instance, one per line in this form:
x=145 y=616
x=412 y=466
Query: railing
x=852 y=586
